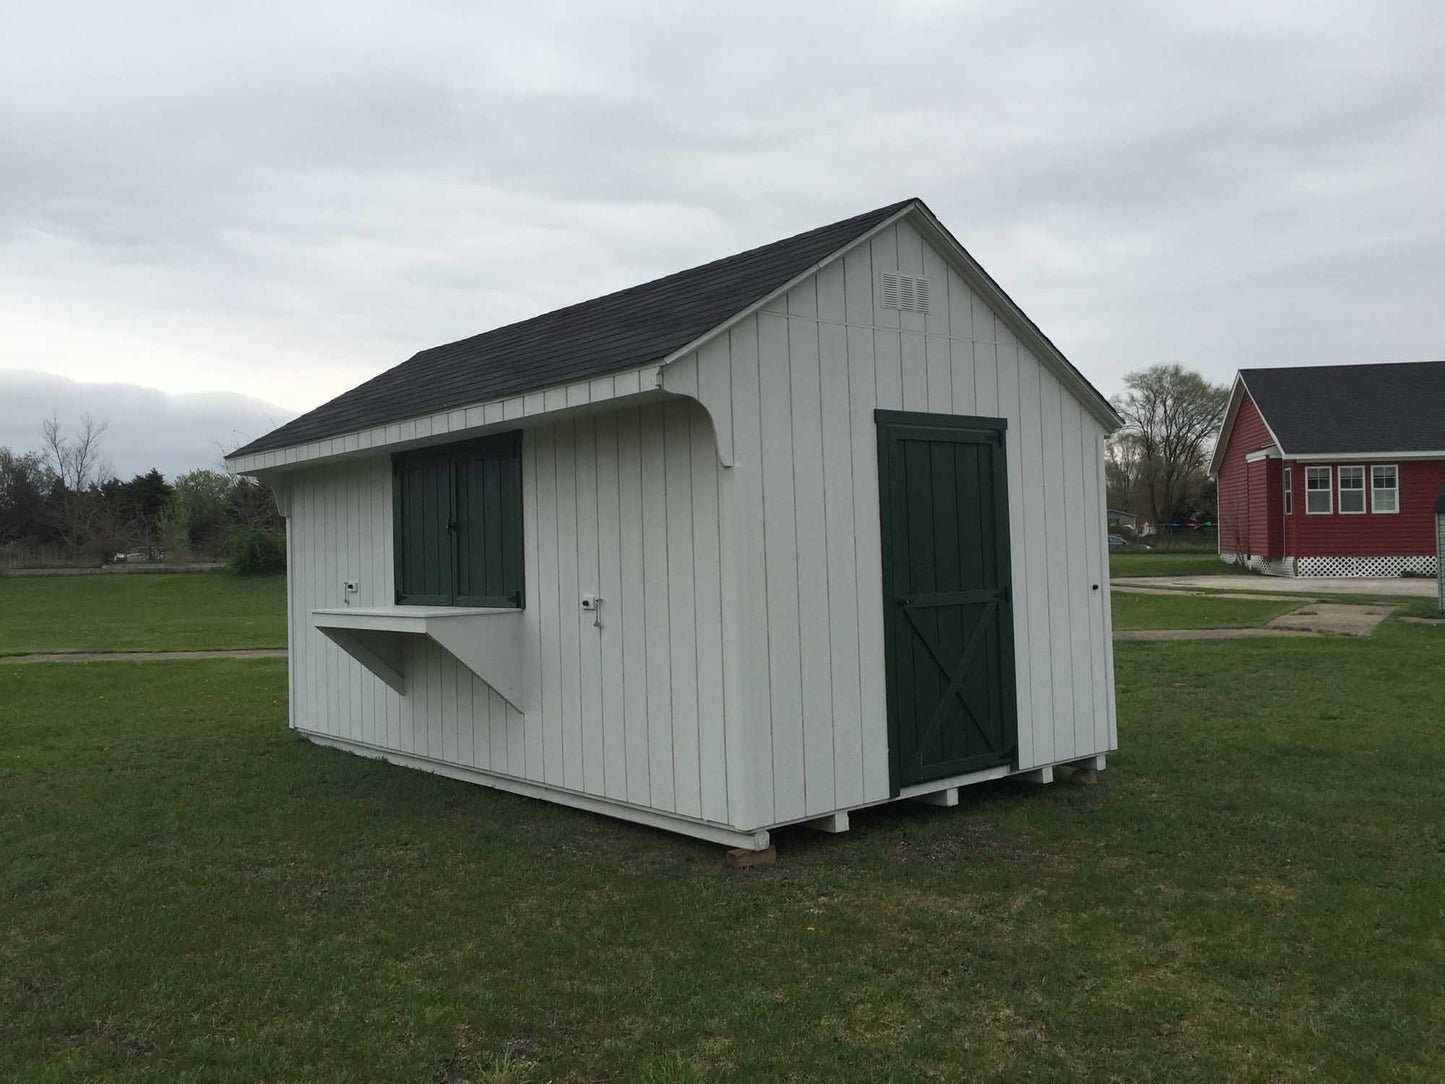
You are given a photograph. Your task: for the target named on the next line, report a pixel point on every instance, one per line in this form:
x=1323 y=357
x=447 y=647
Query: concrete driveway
x=1323 y=585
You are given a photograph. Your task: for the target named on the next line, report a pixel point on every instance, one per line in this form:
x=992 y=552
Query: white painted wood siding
x=623 y=504
x=795 y=385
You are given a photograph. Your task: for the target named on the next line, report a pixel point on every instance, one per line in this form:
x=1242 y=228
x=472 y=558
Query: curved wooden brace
x=704 y=375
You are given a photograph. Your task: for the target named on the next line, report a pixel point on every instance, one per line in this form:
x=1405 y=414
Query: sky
x=279 y=201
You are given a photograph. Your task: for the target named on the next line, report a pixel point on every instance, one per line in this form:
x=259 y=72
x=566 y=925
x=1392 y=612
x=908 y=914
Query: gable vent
x=908 y=293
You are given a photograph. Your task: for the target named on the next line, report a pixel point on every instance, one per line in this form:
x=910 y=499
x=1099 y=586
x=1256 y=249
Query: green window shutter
x=458 y=524
x=422 y=511
x=487 y=477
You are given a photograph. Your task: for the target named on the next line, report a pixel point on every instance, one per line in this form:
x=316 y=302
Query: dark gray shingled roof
x=1314 y=409
x=617 y=331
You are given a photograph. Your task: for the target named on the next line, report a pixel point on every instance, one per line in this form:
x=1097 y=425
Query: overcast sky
x=281 y=200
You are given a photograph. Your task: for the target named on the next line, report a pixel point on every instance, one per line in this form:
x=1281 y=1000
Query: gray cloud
x=284 y=200
x=145 y=428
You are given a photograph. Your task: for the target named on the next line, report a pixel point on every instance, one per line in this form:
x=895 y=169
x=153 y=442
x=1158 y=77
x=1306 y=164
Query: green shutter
x=487 y=480
x=458 y=524
x=422 y=513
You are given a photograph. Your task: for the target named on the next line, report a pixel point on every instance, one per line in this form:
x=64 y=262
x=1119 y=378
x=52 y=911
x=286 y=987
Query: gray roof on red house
x=1352 y=409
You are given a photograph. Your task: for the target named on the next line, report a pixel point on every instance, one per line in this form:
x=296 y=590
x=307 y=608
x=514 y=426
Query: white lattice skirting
x=1280 y=566
x=1358 y=567
x=1373 y=567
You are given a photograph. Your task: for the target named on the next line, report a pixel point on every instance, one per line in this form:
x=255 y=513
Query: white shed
x=807 y=529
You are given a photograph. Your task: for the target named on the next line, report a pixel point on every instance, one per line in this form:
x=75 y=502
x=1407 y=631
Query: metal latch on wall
x=593 y=605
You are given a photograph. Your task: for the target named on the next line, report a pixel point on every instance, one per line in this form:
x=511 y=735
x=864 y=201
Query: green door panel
x=948 y=622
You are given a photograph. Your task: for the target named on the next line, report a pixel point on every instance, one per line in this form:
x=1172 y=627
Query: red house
x=1332 y=470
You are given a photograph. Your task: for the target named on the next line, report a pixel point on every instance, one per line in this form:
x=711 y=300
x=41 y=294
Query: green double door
x=948 y=611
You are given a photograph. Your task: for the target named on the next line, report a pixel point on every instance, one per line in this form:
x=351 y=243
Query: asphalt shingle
x=1353 y=409
x=617 y=331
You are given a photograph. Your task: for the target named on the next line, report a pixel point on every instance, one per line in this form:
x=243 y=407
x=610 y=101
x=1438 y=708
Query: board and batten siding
x=624 y=504
x=792 y=388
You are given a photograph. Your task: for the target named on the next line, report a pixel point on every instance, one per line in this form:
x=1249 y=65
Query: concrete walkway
x=147 y=656
x=1334 y=585
x=1313 y=619
x=1122 y=589
x=1208 y=634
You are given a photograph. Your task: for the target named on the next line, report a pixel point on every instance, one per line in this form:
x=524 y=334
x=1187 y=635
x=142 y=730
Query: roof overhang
x=634 y=386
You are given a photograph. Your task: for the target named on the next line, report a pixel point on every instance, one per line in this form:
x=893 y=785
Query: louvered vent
x=908 y=293
x=890 y=290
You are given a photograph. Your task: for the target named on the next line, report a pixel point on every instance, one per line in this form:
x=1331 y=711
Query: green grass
x=1161 y=611
x=190 y=611
x=1168 y=564
x=1254 y=891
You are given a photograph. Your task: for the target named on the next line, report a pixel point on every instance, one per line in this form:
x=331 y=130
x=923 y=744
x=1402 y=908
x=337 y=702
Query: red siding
x=1243 y=493
x=1407 y=533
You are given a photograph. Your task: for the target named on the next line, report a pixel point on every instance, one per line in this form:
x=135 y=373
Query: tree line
x=64 y=501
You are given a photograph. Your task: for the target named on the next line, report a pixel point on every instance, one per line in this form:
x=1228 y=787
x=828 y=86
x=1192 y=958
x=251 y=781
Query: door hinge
x=1006 y=595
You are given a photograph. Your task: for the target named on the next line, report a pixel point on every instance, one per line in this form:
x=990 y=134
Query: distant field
x=1188 y=612
x=1168 y=564
x=191 y=611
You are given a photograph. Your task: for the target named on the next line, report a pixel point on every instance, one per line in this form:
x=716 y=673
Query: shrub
x=255 y=549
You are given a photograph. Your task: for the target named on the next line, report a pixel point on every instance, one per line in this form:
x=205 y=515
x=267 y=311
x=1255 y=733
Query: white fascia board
x=1267 y=427
x=1226 y=429
x=1255 y=456
x=1231 y=412
x=463 y=422
x=1333 y=457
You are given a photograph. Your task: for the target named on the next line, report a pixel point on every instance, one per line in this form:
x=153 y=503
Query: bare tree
x=1173 y=414
x=1122 y=463
x=75 y=460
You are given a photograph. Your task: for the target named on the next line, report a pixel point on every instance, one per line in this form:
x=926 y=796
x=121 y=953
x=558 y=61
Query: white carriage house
x=803 y=530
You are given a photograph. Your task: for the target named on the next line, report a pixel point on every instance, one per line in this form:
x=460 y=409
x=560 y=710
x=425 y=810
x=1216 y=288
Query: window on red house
x=1352 y=490
x=1385 y=489
x=1318 y=498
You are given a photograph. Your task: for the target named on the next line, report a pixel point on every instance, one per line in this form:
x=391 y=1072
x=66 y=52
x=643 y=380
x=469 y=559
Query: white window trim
x=1362 y=491
x=1288 y=481
x=1329 y=491
x=1387 y=511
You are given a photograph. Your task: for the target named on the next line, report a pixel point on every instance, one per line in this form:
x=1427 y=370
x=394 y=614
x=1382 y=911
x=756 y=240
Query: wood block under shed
x=742 y=858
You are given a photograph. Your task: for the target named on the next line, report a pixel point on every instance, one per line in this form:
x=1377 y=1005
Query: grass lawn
x=1254 y=891
x=1161 y=611
x=1168 y=564
x=187 y=611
